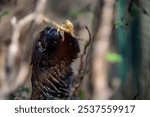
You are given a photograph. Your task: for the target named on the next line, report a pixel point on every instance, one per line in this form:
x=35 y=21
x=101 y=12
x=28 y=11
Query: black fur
x=51 y=59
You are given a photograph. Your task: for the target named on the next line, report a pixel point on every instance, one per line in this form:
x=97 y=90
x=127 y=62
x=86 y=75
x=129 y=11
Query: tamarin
x=52 y=56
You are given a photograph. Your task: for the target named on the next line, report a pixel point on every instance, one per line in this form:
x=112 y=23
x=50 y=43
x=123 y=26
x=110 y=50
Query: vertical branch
x=16 y=78
x=2 y=66
x=100 y=48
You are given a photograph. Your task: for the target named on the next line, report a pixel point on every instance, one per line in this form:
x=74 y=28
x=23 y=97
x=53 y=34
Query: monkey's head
x=48 y=39
x=55 y=45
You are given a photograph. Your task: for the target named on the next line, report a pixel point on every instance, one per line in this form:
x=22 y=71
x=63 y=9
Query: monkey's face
x=49 y=39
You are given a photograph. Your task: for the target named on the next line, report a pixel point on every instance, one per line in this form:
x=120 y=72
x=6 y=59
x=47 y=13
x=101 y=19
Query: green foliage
x=118 y=24
x=3 y=13
x=113 y=57
x=74 y=13
x=81 y=95
x=21 y=93
x=134 y=10
x=23 y=89
x=12 y=97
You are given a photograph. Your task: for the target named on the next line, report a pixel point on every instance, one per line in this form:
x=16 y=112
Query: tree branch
x=101 y=43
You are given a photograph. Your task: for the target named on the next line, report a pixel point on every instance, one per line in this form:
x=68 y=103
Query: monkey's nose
x=53 y=33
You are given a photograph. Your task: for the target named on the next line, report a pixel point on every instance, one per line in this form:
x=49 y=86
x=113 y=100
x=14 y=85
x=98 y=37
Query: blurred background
x=117 y=59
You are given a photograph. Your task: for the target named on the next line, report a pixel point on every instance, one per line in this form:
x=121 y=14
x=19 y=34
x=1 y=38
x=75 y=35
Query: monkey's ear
x=41 y=46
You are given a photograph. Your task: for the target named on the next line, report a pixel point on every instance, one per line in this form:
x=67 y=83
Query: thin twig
x=47 y=20
x=82 y=68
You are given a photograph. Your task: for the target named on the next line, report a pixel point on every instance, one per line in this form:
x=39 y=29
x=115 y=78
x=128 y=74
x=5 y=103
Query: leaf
x=113 y=57
x=134 y=10
x=74 y=13
x=25 y=89
x=81 y=95
x=117 y=24
x=3 y=13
